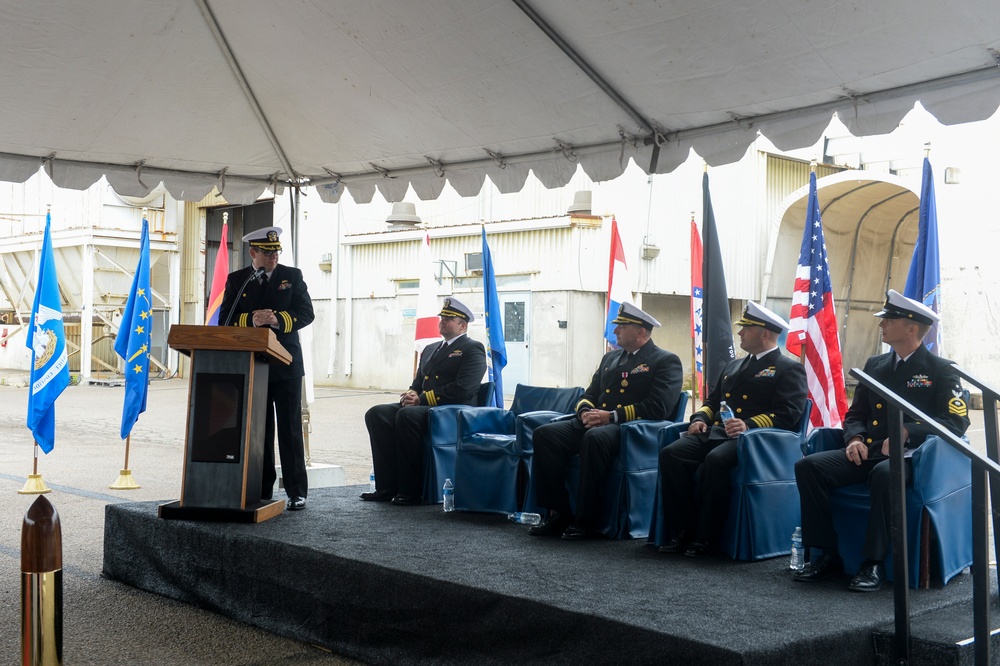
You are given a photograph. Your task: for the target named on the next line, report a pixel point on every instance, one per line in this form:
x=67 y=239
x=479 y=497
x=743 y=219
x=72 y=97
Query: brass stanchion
x=125 y=480
x=34 y=485
x=41 y=586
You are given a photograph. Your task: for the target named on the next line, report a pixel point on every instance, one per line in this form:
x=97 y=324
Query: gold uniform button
x=607 y=390
x=869 y=440
x=744 y=397
x=621 y=390
x=739 y=410
x=878 y=405
x=875 y=422
x=619 y=407
x=727 y=395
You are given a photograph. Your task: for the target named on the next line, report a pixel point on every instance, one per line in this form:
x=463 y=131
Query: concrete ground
x=105 y=622
x=109 y=623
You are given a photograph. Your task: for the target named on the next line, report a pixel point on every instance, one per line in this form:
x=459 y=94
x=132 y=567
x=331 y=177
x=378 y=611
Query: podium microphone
x=253 y=276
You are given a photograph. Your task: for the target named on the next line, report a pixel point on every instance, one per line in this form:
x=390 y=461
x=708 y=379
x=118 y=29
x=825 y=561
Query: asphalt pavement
x=106 y=622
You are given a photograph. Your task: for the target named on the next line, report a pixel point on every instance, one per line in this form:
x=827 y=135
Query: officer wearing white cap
x=638 y=381
x=267 y=293
x=929 y=383
x=450 y=373
x=764 y=390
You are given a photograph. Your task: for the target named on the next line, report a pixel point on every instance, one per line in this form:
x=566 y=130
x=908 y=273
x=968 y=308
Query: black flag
x=716 y=322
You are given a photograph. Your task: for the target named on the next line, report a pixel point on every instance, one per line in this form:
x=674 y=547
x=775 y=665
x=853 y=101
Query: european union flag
x=134 y=336
x=496 y=348
x=47 y=342
x=923 y=282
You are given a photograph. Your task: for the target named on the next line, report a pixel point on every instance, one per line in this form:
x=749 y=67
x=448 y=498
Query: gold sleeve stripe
x=707 y=411
x=287 y=318
x=584 y=403
x=431 y=400
x=629 y=412
x=242 y=321
x=763 y=421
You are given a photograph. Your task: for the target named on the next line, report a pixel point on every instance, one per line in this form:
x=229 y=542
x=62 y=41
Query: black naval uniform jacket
x=928 y=382
x=451 y=376
x=647 y=387
x=287 y=295
x=769 y=393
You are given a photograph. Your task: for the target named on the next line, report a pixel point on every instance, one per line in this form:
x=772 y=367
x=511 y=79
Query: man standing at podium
x=266 y=293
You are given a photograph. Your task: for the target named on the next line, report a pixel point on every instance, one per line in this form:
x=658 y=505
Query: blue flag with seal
x=923 y=282
x=496 y=348
x=47 y=342
x=134 y=335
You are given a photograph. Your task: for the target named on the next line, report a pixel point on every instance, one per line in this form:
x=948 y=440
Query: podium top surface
x=186 y=337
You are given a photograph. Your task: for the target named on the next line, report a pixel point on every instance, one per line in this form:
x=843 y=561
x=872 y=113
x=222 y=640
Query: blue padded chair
x=492 y=457
x=440 y=443
x=940 y=488
x=627 y=499
x=764 y=503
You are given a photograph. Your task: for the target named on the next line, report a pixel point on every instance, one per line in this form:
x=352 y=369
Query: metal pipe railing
x=984 y=471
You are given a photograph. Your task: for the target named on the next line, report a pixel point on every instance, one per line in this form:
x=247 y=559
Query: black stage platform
x=410 y=585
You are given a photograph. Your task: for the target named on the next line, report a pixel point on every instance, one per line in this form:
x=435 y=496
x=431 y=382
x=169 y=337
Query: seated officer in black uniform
x=450 y=373
x=765 y=390
x=929 y=383
x=638 y=381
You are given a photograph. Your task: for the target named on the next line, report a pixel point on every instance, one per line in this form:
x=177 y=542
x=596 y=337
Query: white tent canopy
x=244 y=94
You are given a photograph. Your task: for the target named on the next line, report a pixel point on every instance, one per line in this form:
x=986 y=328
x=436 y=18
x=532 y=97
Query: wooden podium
x=224 y=444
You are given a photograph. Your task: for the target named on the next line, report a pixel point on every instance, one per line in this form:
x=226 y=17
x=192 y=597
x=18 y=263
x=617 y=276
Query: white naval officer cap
x=629 y=314
x=898 y=306
x=455 y=308
x=755 y=314
x=264 y=239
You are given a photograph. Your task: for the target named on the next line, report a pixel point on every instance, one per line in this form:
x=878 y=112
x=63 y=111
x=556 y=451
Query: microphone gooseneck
x=253 y=276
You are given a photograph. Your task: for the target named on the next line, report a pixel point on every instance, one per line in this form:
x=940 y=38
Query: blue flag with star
x=496 y=346
x=47 y=341
x=923 y=282
x=134 y=336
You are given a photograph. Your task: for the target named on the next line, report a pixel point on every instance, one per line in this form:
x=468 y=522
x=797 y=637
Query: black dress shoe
x=574 y=533
x=378 y=496
x=699 y=548
x=678 y=544
x=869 y=578
x=554 y=525
x=403 y=499
x=295 y=503
x=826 y=566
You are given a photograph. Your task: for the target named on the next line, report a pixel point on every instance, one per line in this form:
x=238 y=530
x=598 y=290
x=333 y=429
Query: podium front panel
x=224 y=448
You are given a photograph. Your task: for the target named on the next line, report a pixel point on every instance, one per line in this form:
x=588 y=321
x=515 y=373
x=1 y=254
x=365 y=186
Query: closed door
x=515 y=307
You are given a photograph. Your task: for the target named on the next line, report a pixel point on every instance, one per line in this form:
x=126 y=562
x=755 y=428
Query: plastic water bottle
x=525 y=518
x=371 y=481
x=448 y=491
x=725 y=412
x=798 y=560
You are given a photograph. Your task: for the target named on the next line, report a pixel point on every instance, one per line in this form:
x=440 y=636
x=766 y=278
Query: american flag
x=813 y=325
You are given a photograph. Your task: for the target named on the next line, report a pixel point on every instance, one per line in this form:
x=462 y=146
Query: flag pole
x=125 y=480
x=34 y=485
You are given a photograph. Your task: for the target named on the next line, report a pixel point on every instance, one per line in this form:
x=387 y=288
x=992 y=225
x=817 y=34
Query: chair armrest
x=639 y=443
x=442 y=425
x=939 y=470
x=671 y=434
x=492 y=420
x=767 y=454
x=524 y=428
x=823 y=439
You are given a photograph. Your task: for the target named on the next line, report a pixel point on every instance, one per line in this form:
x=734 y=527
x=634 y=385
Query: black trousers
x=695 y=483
x=818 y=474
x=555 y=445
x=284 y=405
x=397 y=440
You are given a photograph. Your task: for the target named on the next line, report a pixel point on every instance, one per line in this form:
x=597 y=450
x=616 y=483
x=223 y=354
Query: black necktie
x=898 y=364
x=263 y=281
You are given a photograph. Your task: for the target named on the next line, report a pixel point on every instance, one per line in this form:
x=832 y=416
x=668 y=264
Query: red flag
x=219 y=279
x=696 y=303
x=427 y=309
x=813 y=323
x=619 y=285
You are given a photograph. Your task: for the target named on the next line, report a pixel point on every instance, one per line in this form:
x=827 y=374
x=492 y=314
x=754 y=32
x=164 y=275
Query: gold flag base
x=34 y=486
x=125 y=481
